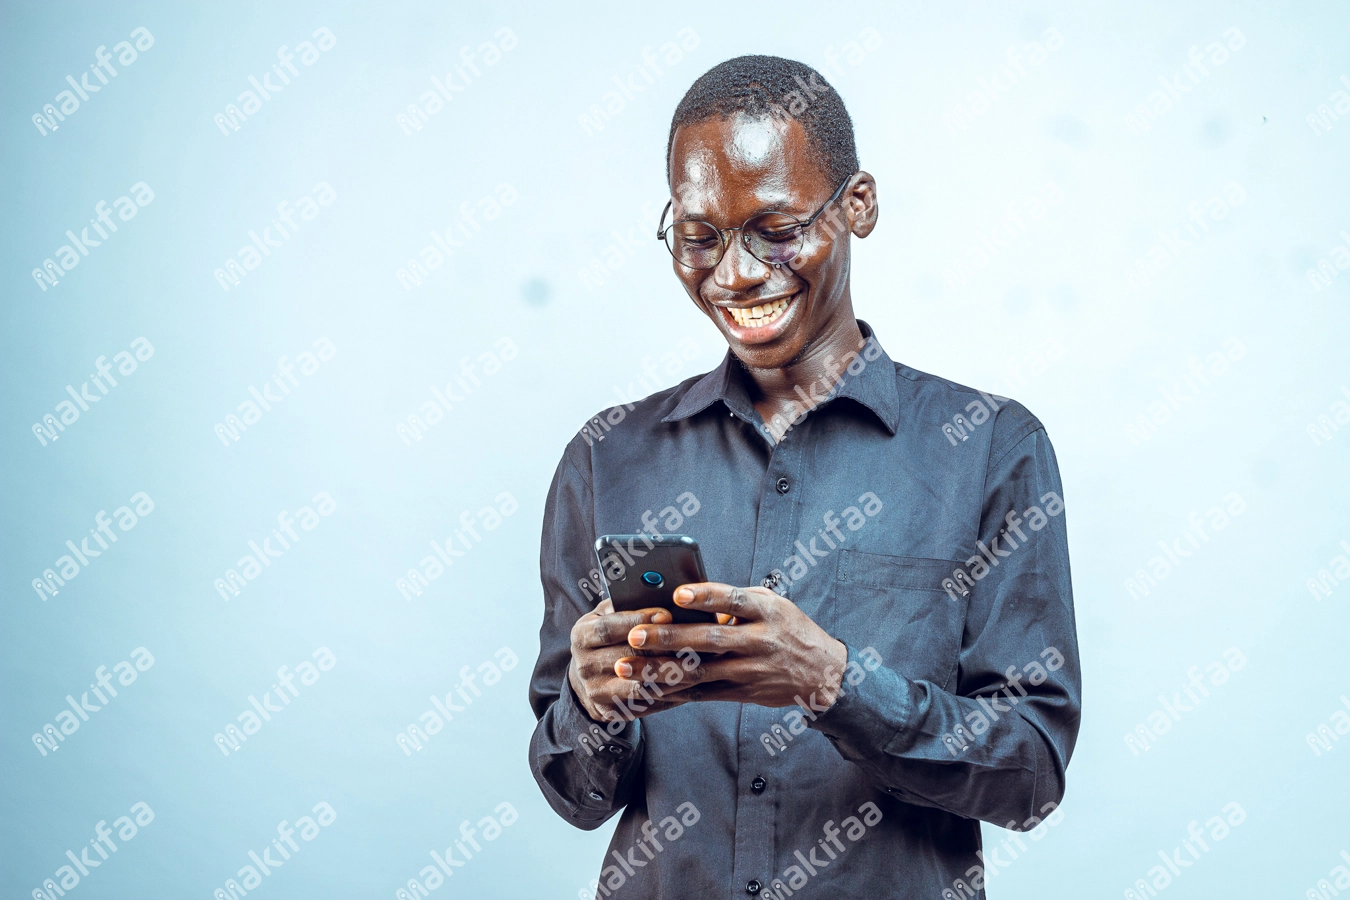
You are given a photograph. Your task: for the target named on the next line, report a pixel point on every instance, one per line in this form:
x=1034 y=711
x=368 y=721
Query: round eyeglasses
x=774 y=238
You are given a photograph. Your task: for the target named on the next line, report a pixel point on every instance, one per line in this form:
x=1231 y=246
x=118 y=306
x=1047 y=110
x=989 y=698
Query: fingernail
x=637 y=638
x=623 y=668
x=660 y=617
x=683 y=596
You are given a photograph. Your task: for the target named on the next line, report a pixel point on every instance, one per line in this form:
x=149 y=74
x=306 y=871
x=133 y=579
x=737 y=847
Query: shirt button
x=753 y=887
x=783 y=486
x=596 y=795
x=758 y=784
x=770 y=581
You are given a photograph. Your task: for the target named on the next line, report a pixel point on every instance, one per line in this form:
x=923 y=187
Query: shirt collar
x=873 y=386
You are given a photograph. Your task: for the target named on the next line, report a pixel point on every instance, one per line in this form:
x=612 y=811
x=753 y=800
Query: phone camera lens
x=653 y=579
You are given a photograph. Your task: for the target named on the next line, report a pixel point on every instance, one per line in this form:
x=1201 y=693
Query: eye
x=778 y=235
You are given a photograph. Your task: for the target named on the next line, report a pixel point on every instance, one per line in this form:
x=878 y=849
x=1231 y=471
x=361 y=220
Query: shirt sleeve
x=585 y=768
x=996 y=748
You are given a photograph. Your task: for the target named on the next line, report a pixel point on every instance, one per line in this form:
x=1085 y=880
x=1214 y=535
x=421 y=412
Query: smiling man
x=896 y=657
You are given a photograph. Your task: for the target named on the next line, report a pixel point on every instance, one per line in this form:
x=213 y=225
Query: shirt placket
x=757 y=783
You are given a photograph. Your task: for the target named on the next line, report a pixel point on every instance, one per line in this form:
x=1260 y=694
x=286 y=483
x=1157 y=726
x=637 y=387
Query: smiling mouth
x=759 y=316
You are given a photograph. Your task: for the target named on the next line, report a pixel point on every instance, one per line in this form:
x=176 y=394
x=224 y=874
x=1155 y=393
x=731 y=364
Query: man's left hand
x=772 y=654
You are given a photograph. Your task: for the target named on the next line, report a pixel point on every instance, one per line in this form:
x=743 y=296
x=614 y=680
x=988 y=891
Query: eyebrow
x=783 y=206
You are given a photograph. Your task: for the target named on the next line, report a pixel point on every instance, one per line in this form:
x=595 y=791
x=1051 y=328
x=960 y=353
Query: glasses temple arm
x=660 y=226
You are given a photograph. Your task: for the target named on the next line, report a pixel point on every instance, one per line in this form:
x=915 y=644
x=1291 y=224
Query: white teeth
x=759 y=316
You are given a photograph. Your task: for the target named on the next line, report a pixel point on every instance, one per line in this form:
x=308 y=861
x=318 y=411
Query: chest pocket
x=897 y=605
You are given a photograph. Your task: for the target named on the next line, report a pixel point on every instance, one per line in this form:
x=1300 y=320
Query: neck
x=783 y=394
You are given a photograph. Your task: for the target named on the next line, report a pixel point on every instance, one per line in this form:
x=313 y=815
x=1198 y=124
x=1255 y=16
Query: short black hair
x=774 y=86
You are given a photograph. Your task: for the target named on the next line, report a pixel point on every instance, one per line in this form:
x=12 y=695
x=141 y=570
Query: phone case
x=641 y=572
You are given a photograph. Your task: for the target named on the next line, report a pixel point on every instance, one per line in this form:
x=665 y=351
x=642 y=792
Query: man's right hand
x=599 y=640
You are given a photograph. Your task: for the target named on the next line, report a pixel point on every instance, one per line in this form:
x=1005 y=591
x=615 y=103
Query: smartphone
x=641 y=572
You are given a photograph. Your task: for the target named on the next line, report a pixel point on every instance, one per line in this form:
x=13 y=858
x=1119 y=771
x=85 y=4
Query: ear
x=861 y=202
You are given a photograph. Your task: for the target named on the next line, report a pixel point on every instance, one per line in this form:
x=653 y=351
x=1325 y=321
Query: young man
x=902 y=661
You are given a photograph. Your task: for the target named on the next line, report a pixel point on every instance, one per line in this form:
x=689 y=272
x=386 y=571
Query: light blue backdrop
x=1054 y=312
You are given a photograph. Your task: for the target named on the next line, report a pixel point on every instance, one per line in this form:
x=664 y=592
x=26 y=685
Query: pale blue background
x=1062 y=281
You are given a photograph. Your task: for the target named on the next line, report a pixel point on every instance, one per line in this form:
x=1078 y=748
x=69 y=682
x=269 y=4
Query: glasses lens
x=694 y=244
x=774 y=238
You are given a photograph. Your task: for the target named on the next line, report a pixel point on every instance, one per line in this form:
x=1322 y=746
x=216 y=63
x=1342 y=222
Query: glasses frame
x=724 y=234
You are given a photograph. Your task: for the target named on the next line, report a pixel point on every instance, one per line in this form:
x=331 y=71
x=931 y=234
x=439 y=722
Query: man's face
x=725 y=170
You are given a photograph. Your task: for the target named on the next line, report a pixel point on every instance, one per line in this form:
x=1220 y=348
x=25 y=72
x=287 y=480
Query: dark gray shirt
x=919 y=522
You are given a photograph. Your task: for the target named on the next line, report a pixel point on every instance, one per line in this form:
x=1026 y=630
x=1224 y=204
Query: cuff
x=609 y=746
x=875 y=704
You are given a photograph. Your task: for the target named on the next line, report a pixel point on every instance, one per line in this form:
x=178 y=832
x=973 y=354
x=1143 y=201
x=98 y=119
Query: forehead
x=741 y=165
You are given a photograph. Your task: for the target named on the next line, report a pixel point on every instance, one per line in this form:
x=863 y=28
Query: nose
x=738 y=270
